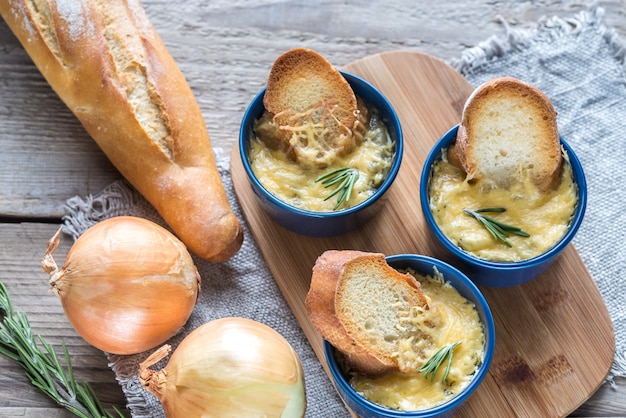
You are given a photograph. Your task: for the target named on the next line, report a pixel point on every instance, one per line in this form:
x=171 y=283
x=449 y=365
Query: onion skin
x=127 y=284
x=229 y=367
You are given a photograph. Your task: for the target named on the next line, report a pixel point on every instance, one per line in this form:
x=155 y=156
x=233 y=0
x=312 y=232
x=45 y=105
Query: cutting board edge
x=383 y=56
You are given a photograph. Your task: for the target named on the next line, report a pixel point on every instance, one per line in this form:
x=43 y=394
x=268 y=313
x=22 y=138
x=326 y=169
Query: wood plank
x=225 y=49
x=22 y=249
x=555 y=342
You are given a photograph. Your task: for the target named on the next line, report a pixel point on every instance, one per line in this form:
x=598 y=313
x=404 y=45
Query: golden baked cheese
x=294 y=183
x=544 y=215
x=450 y=319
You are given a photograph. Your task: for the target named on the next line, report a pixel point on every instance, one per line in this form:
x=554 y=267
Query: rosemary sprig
x=346 y=177
x=42 y=366
x=436 y=360
x=498 y=230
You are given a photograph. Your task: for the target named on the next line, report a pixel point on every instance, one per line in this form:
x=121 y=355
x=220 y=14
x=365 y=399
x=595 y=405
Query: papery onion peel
x=127 y=284
x=228 y=367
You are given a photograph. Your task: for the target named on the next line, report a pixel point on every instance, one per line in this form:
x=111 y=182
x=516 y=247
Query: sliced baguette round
x=303 y=87
x=356 y=301
x=509 y=126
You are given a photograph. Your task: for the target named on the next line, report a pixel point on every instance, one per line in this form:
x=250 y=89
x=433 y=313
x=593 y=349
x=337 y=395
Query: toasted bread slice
x=359 y=304
x=508 y=127
x=314 y=108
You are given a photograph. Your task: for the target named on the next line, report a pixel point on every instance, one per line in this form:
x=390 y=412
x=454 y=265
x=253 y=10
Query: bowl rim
x=466 y=256
x=453 y=403
x=389 y=179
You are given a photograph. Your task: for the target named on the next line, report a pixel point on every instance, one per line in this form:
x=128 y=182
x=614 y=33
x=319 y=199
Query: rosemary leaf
x=498 y=230
x=431 y=366
x=42 y=366
x=346 y=177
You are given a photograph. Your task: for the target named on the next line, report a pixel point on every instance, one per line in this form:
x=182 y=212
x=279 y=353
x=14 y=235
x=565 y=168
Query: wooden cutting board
x=554 y=337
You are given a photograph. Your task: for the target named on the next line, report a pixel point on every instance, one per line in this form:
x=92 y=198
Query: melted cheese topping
x=545 y=216
x=456 y=320
x=295 y=184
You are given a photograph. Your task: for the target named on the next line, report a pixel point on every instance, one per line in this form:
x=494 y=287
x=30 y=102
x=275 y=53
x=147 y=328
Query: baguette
x=356 y=302
x=106 y=62
x=508 y=126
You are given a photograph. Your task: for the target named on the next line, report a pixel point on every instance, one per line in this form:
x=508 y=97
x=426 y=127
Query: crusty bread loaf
x=509 y=126
x=107 y=63
x=358 y=302
x=304 y=91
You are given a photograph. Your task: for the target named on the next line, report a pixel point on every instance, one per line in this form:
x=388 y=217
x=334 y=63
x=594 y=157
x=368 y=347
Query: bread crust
x=107 y=63
x=320 y=307
x=508 y=125
x=324 y=304
x=303 y=87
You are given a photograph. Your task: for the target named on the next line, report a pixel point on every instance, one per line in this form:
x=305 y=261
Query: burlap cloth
x=578 y=62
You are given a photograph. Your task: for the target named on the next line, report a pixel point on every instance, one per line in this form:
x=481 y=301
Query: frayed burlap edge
x=546 y=30
x=118 y=197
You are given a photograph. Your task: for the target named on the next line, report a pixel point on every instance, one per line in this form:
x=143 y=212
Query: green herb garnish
x=498 y=230
x=436 y=360
x=346 y=177
x=42 y=365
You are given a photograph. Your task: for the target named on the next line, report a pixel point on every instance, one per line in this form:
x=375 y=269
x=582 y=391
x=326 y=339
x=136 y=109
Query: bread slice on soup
x=359 y=304
x=509 y=127
x=314 y=109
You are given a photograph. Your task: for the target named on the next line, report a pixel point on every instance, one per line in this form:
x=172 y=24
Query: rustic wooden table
x=225 y=49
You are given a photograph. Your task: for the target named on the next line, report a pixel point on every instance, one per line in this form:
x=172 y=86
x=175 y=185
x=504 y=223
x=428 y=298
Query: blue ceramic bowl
x=324 y=224
x=422 y=265
x=490 y=273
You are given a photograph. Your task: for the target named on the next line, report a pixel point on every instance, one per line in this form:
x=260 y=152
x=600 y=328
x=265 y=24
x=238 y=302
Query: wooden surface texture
x=225 y=48
x=554 y=337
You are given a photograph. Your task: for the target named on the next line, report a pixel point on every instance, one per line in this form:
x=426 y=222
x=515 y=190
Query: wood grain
x=22 y=249
x=225 y=49
x=555 y=342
